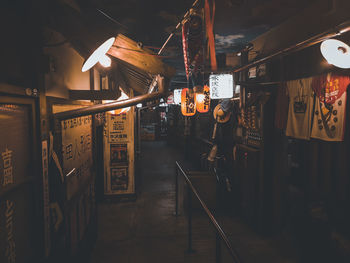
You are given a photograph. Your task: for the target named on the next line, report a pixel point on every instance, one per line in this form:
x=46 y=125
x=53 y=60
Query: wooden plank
x=129 y=51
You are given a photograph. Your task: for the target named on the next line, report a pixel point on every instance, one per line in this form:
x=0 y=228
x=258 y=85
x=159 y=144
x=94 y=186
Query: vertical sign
x=221 y=86
x=46 y=196
x=119 y=153
x=76 y=151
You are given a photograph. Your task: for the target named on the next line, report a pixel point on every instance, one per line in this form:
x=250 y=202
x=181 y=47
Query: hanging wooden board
x=127 y=50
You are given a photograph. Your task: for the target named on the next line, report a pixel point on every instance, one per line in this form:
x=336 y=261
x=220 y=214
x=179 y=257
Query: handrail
x=218 y=228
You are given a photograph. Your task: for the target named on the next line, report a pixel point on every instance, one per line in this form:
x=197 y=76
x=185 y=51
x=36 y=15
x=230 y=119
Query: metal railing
x=220 y=234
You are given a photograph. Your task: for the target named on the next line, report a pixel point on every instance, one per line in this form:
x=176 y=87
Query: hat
x=220 y=115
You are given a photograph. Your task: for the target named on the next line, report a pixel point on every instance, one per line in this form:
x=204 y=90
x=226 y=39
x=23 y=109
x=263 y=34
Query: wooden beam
x=94 y=94
x=132 y=53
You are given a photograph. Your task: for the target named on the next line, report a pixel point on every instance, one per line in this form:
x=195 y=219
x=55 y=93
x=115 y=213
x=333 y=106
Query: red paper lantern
x=188 y=103
x=202 y=98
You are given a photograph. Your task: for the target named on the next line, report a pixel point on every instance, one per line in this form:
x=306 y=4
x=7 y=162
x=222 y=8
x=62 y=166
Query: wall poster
x=119 y=153
x=118 y=128
x=119 y=178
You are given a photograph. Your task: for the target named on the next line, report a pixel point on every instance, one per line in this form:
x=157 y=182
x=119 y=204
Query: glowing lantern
x=188 y=103
x=202 y=98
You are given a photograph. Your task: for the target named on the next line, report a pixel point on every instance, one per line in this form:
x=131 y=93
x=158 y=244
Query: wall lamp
x=99 y=56
x=336 y=53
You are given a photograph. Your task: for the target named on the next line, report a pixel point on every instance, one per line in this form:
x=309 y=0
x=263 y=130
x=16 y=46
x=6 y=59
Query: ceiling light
x=105 y=61
x=336 y=53
x=99 y=55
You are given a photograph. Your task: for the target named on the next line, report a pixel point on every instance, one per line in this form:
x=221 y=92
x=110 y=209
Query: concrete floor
x=146 y=230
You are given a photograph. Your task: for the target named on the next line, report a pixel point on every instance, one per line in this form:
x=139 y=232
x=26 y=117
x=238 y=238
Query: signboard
x=177 y=96
x=76 y=151
x=252 y=73
x=119 y=153
x=221 y=86
x=17 y=209
x=46 y=197
x=118 y=131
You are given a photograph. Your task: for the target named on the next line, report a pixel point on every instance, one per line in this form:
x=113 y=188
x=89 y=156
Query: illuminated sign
x=177 y=96
x=221 y=86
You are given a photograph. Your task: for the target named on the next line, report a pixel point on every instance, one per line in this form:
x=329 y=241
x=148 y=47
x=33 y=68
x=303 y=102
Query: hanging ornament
x=202 y=98
x=192 y=42
x=188 y=103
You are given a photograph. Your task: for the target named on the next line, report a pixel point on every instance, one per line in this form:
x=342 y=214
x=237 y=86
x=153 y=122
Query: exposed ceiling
x=87 y=22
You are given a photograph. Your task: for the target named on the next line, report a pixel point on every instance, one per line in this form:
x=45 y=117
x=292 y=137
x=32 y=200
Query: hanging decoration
x=192 y=42
x=188 y=103
x=209 y=24
x=202 y=98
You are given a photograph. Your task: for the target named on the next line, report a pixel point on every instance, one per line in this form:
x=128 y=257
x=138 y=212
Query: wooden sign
x=131 y=52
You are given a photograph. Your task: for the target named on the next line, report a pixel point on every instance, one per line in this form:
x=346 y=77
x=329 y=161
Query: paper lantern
x=188 y=103
x=202 y=98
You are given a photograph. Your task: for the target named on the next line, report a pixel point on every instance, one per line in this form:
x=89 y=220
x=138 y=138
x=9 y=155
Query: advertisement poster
x=119 y=178
x=118 y=131
x=119 y=154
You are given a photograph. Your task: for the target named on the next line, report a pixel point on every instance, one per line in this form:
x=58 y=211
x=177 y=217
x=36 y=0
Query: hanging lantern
x=188 y=103
x=202 y=98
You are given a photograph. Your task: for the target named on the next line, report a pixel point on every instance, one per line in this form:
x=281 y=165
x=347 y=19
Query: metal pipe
x=176 y=192
x=113 y=105
x=215 y=223
x=189 y=218
x=336 y=31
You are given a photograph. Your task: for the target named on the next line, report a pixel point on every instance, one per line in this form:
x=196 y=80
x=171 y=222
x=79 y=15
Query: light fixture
x=202 y=95
x=188 y=102
x=123 y=96
x=336 y=53
x=99 y=55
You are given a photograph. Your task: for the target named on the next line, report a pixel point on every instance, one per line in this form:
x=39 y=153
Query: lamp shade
x=336 y=53
x=188 y=103
x=99 y=55
x=202 y=98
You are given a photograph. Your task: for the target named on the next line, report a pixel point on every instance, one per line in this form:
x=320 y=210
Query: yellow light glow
x=336 y=53
x=98 y=54
x=123 y=96
x=200 y=98
x=105 y=61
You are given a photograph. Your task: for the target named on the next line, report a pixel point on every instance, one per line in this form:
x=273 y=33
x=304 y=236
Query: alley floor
x=146 y=230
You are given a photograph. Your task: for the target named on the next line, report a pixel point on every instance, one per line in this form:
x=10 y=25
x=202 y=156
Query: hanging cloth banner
x=209 y=22
x=192 y=43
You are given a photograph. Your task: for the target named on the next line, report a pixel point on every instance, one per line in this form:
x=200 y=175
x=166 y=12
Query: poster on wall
x=119 y=178
x=119 y=154
x=118 y=131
